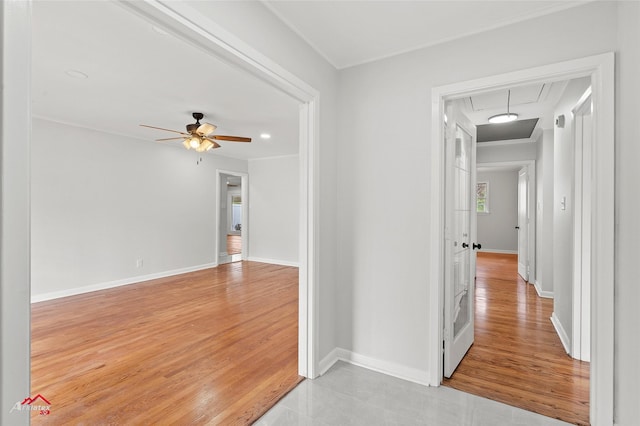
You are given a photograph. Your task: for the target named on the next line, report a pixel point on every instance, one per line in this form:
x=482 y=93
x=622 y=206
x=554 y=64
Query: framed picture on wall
x=482 y=197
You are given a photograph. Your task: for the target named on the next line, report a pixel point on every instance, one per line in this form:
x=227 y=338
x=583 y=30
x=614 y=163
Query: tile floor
x=351 y=395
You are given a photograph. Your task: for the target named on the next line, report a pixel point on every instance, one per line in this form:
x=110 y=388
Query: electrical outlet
x=139 y=263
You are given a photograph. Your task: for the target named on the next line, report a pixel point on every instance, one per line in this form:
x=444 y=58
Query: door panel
x=459 y=280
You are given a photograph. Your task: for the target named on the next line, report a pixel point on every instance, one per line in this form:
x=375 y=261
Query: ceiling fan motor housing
x=191 y=128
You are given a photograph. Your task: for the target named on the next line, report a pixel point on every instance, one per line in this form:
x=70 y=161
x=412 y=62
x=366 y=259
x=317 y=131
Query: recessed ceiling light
x=503 y=118
x=76 y=74
x=265 y=135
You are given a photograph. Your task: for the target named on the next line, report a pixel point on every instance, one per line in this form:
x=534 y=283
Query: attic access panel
x=519 y=129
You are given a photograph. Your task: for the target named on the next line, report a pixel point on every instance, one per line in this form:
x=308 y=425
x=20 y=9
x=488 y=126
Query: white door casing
x=601 y=68
x=189 y=24
x=460 y=238
x=523 y=223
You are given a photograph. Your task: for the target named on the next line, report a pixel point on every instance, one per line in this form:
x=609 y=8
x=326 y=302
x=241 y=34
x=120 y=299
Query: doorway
x=232 y=216
x=214 y=41
x=600 y=70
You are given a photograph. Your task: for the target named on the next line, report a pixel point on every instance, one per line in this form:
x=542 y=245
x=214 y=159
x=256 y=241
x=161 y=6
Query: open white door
x=523 y=223
x=583 y=137
x=460 y=237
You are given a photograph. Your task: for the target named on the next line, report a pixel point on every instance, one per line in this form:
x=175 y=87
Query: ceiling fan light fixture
x=199 y=136
x=503 y=118
x=194 y=142
x=206 y=145
x=206 y=129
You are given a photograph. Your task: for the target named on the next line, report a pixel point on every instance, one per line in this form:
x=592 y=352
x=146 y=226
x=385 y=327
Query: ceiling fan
x=199 y=136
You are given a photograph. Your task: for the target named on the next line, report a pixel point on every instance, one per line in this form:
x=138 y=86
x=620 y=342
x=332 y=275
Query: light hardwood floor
x=217 y=346
x=517 y=357
x=234 y=244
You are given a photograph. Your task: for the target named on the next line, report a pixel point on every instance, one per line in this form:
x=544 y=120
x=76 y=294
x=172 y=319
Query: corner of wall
x=381 y=366
x=542 y=293
x=562 y=334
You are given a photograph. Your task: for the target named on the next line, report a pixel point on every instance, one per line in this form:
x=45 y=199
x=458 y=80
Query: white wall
x=274 y=194
x=627 y=292
x=505 y=152
x=496 y=229
x=382 y=293
x=544 y=213
x=15 y=116
x=563 y=178
x=100 y=202
x=355 y=312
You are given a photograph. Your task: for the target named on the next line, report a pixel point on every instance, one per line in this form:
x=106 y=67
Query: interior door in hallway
x=460 y=238
x=523 y=223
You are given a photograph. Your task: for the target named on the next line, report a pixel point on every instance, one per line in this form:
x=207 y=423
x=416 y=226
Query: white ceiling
x=529 y=101
x=136 y=75
x=349 y=33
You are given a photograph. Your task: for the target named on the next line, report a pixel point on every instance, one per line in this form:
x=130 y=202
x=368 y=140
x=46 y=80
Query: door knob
x=517 y=227
x=477 y=246
x=465 y=245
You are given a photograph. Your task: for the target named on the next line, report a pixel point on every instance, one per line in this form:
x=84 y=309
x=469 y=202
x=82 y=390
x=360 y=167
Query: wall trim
x=542 y=293
x=118 y=283
x=274 y=261
x=498 y=251
x=385 y=367
x=562 y=334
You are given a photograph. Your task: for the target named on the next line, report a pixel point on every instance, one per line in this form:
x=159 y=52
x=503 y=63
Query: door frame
x=531 y=170
x=244 y=193
x=601 y=69
x=15 y=123
x=193 y=27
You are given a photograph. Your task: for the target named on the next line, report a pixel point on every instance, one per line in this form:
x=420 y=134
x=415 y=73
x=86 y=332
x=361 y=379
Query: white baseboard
x=274 y=261
x=332 y=357
x=564 y=338
x=117 y=283
x=542 y=293
x=489 y=250
x=381 y=366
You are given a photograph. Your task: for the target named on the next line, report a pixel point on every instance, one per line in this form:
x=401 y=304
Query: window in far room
x=482 y=197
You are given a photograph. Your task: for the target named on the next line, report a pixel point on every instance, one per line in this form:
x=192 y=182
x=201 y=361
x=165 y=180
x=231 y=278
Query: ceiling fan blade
x=215 y=144
x=169 y=139
x=168 y=130
x=206 y=129
x=231 y=138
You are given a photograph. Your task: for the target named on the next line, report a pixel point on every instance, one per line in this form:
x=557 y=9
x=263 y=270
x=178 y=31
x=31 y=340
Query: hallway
x=517 y=357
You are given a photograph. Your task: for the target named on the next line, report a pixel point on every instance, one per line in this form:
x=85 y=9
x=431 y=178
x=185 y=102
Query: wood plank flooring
x=234 y=244
x=517 y=357
x=217 y=346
